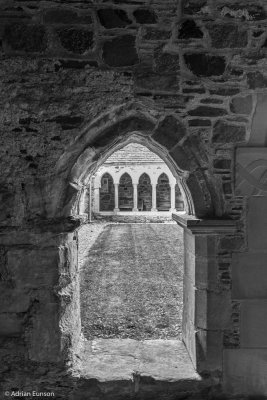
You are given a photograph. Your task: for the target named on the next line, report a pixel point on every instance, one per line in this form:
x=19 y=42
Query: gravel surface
x=131 y=282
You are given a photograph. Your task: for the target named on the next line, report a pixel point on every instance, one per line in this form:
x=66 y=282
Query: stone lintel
x=205 y=226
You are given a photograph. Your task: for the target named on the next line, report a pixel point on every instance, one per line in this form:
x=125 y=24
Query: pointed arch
x=106 y=193
x=126 y=192
x=163 y=193
x=144 y=193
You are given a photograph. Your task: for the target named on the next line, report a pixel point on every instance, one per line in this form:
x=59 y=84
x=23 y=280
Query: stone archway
x=144 y=193
x=163 y=193
x=202 y=333
x=126 y=193
x=106 y=193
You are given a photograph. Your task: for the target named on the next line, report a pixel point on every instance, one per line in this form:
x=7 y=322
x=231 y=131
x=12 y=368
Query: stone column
x=116 y=187
x=154 y=197
x=97 y=200
x=172 y=209
x=135 y=207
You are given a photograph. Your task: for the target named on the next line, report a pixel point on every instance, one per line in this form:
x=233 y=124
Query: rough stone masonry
x=191 y=77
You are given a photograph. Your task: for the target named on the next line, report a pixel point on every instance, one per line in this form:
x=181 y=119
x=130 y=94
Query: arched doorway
x=106 y=193
x=144 y=193
x=163 y=193
x=126 y=193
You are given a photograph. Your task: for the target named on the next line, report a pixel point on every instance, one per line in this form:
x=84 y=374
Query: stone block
x=209 y=347
x=120 y=52
x=76 y=40
x=222 y=163
x=164 y=62
x=156 y=34
x=58 y=15
x=257 y=223
x=224 y=133
x=149 y=80
x=251 y=168
x=145 y=16
x=245 y=371
x=241 y=105
x=13 y=300
x=258 y=136
x=248 y=12
x=169 y=131
x=256 y=80
x=193 y=7
x=206 y=111
x=33 y=268
x=43 y=336
x=213 y=309
x=199 y=122
x=249 y=275
x=189 y=30
x=25 y=38
x=183 y=158
x=113 y=18
x=253 y=324
x=10 y=325
x=227 y=36
x=188 y=300
x=202 y=64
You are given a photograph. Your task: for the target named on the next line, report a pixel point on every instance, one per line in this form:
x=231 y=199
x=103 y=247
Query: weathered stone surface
x=258 y=136
x=256 y=223
x=247 y=12
x=169 y=132
x=256 y=80
x=113 y=18
x=182 y=158
x=249 y=275
x=199 y=122
x=224 y=91
x=189 y=30
x=222 y=163
x=232 y=243
x=227 y=133
x=166 y=62
x=67 y=121
x=149 y=80
x=205 y=111
x=193 y=7
x=28 y=38
x=120 y=52
x=156 y=34
x=76 y=40
x=241 y=105
x=227 y=35
x=253 y=326
x=205 y=65
x=65 y=16
x=10 y=325
x=145 y=16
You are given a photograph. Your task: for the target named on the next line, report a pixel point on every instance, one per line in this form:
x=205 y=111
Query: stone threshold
x=112 y=369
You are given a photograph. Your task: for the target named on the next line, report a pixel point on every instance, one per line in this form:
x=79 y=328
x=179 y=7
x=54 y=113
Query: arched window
x=144 y=193
x=163 y=193
x=106 y=193
x=179 y=202
x=126 y=193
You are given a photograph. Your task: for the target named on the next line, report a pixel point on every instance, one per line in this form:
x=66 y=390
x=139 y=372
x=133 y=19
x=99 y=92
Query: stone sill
x=205 y=226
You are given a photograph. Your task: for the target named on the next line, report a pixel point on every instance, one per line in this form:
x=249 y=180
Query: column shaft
x=154 y=197
x=135 y=208
x=116 y=187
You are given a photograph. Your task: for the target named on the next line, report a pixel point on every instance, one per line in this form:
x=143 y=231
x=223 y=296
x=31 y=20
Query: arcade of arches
x=79 y=81
x=135 y=179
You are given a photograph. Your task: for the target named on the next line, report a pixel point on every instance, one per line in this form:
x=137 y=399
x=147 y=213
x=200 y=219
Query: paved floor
x=131 y=283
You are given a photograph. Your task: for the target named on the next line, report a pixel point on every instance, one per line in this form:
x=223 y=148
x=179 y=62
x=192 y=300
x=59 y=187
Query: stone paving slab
x=122 y=359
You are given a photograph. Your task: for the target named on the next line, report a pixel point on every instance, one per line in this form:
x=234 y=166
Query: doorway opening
x=131 y=270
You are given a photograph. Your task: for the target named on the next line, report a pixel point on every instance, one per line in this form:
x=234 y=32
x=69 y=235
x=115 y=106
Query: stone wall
x=78 y=77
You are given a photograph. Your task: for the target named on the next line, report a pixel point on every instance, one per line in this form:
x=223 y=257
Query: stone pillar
x=172 y=209
x=97 y=200
x=154 y=197
x=116 y=188
x=135 y=207
x=206 y=307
